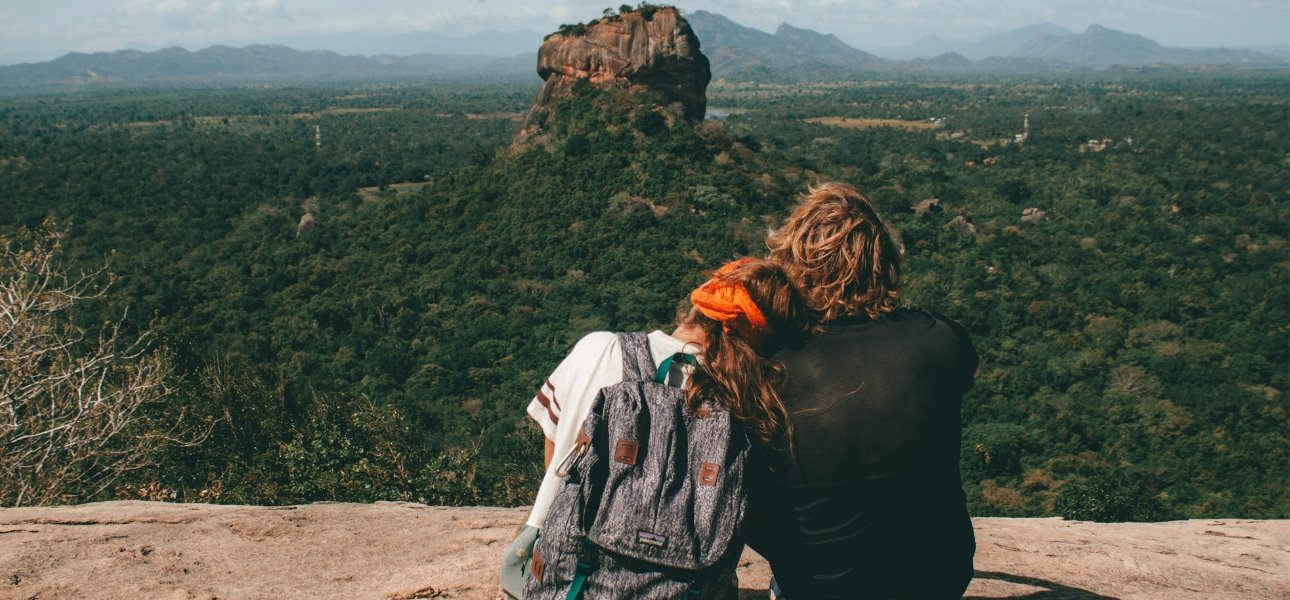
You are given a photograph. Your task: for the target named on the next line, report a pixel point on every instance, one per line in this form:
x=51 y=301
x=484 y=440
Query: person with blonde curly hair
x=869 y=503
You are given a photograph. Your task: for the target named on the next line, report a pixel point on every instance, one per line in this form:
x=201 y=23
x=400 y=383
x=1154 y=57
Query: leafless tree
x=76 y=407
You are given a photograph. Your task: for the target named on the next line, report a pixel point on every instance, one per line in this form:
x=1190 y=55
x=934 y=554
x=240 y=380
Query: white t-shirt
x=565 y=399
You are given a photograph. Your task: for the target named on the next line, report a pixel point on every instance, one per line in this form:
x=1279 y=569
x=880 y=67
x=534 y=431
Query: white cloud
x=181 y=14
x=141 y=8
x=258 y=9
x=464 y=18
x=560 y=13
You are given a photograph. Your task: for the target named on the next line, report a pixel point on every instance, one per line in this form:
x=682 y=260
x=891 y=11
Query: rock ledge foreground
x=398 y=551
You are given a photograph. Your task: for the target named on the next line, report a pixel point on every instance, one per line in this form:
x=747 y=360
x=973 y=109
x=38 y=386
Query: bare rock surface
x=961 y=225
x=398 y=551
x=657 y=56
x=308 y=222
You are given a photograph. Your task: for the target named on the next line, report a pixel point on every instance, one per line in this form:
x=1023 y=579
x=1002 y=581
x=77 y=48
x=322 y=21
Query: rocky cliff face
x=653 y=53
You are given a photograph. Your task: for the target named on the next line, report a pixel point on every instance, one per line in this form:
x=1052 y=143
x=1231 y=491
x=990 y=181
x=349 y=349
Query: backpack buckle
x=588 y=557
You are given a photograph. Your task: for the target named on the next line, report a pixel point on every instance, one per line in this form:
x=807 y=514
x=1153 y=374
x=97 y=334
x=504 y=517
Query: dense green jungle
x=1133 y=330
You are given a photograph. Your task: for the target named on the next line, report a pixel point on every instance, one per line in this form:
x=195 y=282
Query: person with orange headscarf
x=745 y=312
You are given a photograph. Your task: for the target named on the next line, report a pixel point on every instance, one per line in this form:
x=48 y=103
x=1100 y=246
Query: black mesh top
x=873 y=506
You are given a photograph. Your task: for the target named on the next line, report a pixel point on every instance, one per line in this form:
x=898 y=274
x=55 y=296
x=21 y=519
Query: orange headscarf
x=726 y=301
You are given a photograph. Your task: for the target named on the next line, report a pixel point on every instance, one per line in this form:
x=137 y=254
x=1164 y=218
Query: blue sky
x=36 y=31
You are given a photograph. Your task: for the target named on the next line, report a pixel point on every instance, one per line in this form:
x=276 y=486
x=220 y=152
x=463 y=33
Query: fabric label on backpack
x=650 y=538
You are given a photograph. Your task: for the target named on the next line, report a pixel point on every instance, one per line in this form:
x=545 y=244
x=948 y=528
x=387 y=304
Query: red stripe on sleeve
x=546 y=402
x=554 y=400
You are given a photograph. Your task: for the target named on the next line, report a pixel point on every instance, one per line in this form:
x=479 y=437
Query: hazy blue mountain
x=1281 y=51
x=825 y=48
x=251 y=63
x=731 y=47
x=1008 y=42
x=1101 y=47
x=949 y=61
x=1045 y=45
x=998 y=44
x=1097 y=47
x=728 y=43
x=926 y=46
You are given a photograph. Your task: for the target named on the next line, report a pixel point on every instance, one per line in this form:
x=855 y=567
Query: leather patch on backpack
x=536 y=566
x=708 y=473
x=625 y=452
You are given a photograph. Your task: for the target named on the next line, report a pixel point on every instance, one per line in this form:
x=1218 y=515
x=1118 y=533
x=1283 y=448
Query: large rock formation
x=651 y=52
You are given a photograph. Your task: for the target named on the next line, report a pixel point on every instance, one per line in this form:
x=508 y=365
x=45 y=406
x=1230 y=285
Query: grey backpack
x=653 y=502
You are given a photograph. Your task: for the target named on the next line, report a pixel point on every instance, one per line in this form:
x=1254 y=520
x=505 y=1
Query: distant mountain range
x=1097 y=47
x=731 y=48
x=249 y=64
x=1000 y=44
x=1103 y=47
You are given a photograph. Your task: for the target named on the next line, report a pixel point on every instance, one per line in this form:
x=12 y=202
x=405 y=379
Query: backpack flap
x=674 y=494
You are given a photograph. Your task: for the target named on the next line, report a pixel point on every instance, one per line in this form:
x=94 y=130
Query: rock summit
x=650 y=51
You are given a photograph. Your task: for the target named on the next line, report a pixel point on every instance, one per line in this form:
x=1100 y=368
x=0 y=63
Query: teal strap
x=660 y=376
x=584 y=569
x=578 y=580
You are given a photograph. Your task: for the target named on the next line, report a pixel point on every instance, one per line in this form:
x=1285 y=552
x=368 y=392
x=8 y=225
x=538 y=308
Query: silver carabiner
x=570 y=460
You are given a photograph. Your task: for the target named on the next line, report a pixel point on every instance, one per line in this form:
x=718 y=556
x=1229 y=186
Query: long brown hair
x=849 y=260
x=735 y=370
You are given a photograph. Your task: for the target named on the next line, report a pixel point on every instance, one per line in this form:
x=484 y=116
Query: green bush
x=1109 y=499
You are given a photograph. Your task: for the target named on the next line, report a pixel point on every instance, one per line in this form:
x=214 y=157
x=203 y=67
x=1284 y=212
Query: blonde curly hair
x=848 y=260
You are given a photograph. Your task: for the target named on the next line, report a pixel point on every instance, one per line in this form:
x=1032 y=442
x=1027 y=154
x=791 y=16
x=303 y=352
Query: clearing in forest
x=866 y=123
x=372 y=194
x=507 y=116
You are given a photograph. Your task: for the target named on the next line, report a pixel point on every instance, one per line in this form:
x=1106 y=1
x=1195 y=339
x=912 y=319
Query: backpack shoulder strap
x=660 y=376
x=638 y=363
